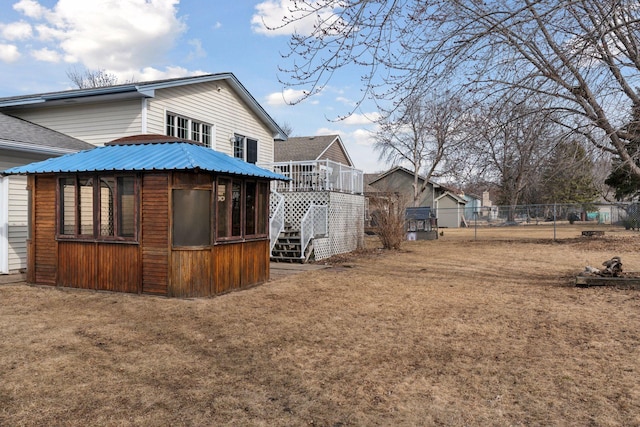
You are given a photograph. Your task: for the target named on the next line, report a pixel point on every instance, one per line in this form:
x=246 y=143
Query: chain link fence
x=620 y=214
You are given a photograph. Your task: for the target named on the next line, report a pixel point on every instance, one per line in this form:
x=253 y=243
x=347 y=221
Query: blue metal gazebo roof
x=164 y=156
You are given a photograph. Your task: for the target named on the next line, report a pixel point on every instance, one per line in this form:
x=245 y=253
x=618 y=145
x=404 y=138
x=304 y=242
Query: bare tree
x=287 y=128
x=585 y=54
x=424 y=133
x=514 y=142
x=86 y=78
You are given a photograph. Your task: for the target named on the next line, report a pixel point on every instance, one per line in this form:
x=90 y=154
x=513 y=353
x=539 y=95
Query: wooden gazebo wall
x=149 y=266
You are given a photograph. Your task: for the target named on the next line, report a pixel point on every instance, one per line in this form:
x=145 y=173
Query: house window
x=186 y=128
x=98 y=207
x=245 y=148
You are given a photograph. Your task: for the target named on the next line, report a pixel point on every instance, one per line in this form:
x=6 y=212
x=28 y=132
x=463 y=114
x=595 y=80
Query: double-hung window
x=245 y=148
x=184 y=127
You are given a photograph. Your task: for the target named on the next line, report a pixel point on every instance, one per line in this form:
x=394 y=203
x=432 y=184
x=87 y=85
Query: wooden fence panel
x=190 y=273
x=227 y=267
x=77 y=264
x=118 y=267
x=255 y=268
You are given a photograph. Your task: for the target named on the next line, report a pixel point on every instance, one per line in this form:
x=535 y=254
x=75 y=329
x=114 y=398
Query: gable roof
x=455 y=197
x=143 y=90
x=131 y=155
x=307 y=148
x=402 y=169
x=21 y=135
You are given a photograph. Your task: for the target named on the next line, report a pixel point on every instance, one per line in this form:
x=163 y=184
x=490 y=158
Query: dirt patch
x=456 y=331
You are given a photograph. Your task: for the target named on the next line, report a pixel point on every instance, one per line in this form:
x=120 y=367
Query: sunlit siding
x=222 y=108
x=94 y=123
x=335 y=153
x=18 y=220
x=17 y=209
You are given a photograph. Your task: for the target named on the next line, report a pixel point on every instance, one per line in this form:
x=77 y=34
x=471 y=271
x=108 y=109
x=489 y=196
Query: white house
x=22 y=142
x=214 y=109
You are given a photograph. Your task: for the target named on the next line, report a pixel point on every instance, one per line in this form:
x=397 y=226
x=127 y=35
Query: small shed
x=420 y=223
x=149 y=214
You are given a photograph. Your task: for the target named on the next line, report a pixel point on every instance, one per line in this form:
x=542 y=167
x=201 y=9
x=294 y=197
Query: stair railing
x=276 y=222
x=314 y=224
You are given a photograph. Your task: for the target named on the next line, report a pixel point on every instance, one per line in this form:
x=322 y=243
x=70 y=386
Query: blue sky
x=40 y=40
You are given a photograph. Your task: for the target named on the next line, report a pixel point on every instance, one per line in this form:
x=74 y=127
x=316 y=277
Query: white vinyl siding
x=94 y=123
x=18 y=221
x=222 y=108
x=17 y=209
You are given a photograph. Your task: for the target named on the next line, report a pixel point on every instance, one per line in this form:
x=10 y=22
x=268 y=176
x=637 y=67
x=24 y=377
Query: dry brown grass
x=449 y=332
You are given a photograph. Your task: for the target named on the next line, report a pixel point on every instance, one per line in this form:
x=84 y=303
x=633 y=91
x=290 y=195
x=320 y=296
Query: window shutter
x=252 y=151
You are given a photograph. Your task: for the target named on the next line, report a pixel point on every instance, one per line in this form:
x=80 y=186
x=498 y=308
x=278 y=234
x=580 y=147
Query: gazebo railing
x=317 y=175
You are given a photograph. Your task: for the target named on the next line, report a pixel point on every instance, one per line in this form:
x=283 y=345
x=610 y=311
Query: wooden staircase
x=288 y=248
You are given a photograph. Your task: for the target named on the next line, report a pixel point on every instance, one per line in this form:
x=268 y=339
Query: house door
x=4 y=225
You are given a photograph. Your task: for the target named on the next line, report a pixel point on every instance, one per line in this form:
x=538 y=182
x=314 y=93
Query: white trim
x=4 y=224
x=145 y=109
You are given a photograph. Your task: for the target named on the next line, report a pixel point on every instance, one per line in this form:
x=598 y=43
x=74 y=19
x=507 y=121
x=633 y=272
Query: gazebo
x=148 y=214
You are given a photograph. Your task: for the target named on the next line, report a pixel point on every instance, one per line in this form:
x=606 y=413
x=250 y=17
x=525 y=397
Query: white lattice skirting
x=346 y=219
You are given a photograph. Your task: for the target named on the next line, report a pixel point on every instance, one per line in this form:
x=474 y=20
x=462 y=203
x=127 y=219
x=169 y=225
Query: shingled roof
x=21 y=135
x=306 y=148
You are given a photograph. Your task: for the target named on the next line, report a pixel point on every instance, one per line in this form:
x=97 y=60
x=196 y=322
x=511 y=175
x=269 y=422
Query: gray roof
x=21 y=135
x=302 y=148
x=143 y=89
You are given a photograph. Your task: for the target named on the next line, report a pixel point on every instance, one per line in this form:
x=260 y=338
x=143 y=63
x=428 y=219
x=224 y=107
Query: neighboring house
x=472 y=208
x=320 y=211
x=443 y=201
x=22 y=142
x=215 y=110
x=148 y=214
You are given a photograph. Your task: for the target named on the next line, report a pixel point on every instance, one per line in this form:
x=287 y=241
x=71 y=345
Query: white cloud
x=287 y=96
x=346 y=101
x=271 y=15
x=30 y=8
x=217 y=26
x=9 y=53
x=16 y=31
x=46 y=55
x=125 y=35
x=197 y=51
x=361 y=119
x=150 y=73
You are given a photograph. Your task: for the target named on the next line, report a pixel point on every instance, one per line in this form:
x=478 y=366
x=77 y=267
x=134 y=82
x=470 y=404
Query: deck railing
x=276 y=222
x=314 y=224
x=317 y=175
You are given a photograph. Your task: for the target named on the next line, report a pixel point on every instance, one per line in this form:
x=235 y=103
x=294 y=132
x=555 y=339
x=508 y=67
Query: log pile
x=612 y=268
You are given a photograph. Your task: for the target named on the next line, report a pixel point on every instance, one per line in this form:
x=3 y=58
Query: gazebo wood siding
x=222 y=268
x=151 y=265
x=155 y=233
x=44 y=243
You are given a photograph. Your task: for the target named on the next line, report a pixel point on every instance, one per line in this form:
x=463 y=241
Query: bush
x=389 y=220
